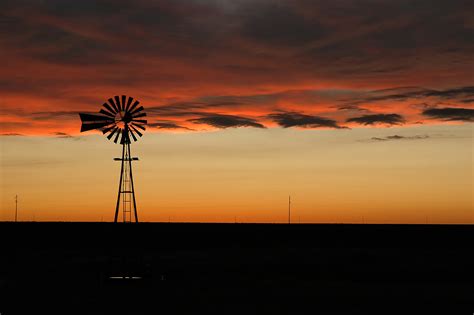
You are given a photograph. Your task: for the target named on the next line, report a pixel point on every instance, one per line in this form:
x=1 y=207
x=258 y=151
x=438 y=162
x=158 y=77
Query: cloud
x=389 y=119
x=292 y=119
x=227 y=121
x=466 y=91
x=397 y=137
x=167 y=125
x=353 y=108
x=14 y=125
x=408 y=93
x=190 y=108
x=280 y=24
x=11 y=134
x=63 y=135
x=237 y=58
x=450 y=113
x=53 y=115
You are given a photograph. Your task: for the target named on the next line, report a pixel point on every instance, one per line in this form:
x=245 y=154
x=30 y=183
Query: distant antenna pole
x=16 y=207
x=289 y=209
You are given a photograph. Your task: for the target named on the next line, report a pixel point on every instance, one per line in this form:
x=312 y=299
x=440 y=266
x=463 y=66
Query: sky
x=361 y=110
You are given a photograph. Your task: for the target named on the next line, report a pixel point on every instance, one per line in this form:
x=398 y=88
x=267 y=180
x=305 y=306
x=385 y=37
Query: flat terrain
x=174 y=268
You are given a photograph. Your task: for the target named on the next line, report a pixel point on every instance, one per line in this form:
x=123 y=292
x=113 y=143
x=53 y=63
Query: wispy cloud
x=63 y=135
x=410 y=93
x=397 y=137
x=167 y=125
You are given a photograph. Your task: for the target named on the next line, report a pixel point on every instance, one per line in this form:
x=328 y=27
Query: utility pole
x=16 y=207
x=289 y=209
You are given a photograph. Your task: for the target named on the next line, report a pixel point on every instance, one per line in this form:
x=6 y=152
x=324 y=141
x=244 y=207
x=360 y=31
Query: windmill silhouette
x=120 y=119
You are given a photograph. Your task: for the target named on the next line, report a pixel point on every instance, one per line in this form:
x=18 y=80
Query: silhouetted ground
x=66 y=268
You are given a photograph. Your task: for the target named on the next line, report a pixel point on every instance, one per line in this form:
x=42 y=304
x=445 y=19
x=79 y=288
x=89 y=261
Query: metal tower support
x=126 y=192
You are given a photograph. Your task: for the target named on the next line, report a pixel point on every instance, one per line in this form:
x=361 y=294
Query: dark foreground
x=79 y=268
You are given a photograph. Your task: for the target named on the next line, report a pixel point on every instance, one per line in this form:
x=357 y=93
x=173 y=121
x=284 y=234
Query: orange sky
x=356 y=100
x=423 y=174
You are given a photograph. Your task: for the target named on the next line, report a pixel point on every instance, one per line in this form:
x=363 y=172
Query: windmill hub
x=120 y=118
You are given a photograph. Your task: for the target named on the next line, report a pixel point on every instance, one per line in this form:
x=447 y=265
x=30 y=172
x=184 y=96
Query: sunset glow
x=357 y=109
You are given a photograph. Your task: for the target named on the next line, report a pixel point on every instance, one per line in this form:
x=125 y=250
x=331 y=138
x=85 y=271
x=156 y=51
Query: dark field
x=66 y=268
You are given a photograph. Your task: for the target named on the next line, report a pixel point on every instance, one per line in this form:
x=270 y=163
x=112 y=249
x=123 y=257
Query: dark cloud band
x=389 y=119
x=450 y=114
x=293 y=119
x=226 y=121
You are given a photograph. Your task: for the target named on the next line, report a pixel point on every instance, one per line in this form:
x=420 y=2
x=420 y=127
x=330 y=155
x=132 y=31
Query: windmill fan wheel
x=120 y=119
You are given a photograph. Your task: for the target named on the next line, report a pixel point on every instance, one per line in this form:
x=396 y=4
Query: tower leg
x=120 y=185
x=131 y=183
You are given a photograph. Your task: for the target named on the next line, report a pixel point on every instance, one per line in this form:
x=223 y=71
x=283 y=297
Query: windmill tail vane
x=120 y=119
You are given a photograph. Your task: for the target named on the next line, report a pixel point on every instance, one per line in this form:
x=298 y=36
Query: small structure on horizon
x=16 y=208
x=289 y=209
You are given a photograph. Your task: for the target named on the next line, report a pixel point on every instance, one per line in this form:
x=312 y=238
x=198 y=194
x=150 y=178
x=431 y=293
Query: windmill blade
x=111 y=102
x=106 y=113
x=89 y=118
x=138 y=125
x=130 y=99
x=117 y=102
x=109 y=108
x=133 y=136
x=133 y=106
x=113 y=132
x=138 y=132
x=105 y=130
x=117 y=136
x=87 y=127
x=139 y=109
x=139 y=115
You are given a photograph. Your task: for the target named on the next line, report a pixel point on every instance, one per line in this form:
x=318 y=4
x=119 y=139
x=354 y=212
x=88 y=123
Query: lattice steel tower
x=119 y=118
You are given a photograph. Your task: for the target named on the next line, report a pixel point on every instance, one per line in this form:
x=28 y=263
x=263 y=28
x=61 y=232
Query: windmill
x=120 y=119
